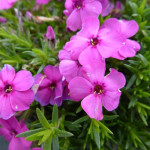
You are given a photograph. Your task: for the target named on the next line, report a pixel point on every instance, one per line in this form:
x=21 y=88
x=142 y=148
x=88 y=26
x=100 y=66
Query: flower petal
x=129 y=48
x=90 y=27
x=92 y=105
x=43 y=96
x=76 y=46
x=6 y=110
x=93 y=64
x=74 y=20
x=79 y=88
x=114 y=80
x=21 y=100
x=23 y=81
x=69 y=69
x=63 y=54
x=110 y=99
x=18 y=144
x=52 y=72
x=7 y=73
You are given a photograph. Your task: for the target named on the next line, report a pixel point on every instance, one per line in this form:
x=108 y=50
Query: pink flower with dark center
x=6 y=4
x=104 y=40
x=95 y=89
x=50 y=86
x=78 y=10
x=126 y=29
x=15 y=92
x=42 y=1
x=68 y=67
x=9 y=129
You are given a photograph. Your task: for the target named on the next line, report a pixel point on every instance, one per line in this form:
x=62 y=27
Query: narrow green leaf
x=28 y=133
x=61 y=133
x=104 y=127
x=48 y=143
x=96 y=137
x=33 y=137
x=55 y=115
x=42 y=119
x=55 y=143
x=106 y=117
x=82 y=119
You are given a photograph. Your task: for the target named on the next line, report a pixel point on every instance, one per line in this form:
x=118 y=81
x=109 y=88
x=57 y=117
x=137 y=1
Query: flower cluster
x=81 y=72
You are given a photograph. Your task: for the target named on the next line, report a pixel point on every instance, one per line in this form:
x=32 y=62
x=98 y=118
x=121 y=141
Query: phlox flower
x=95 y=89
x=2 y=20
x=126 y=29
x=6 y=4
x=9 y=129
x=78 y=10
x=104 y=40
x=15 y=92
x=68 y=67
x=50 y=90
x=42 y=1
x=50 y=34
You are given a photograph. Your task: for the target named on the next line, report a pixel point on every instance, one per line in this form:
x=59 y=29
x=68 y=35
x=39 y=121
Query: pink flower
x=78 y=10
x=126 y=29
x=50 y=34
x=15 y=92
x=6 y=4
x=50 y=88
x=2 y=20
x=106 y=7
x=104 y=40
x=68 y=67
x=95 y=89
x=42 y=1
x=10 y=128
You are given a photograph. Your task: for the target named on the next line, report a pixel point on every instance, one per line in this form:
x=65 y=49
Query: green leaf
x=131 y=81
x=55 y=143
x=106 y=117
x=61 y=133
x=55 y=115
x=82 y=119
x=96 y=136
x=28 y=133
x=42 y=119
x=48 y=143
x=105 y=128
x=33 y=137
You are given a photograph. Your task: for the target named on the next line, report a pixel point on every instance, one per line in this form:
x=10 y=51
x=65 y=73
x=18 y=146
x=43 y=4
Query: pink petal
x=69 y=69
x=92 y=105
x=90 y=27
x=58 y=90
x=129 y=28
x=57 y=101
x=43 y=96
x=21 y=100
x=93 y=8
x=129 y=48
x=42 y=1
x=52 y=72
x=63 y=54
x=23 y=81
x=79 y=88
x=114 y=80
x=5 y=133
x=93 y=64
x=76 y=46
x=110 y=42
x=6 y=110
x=7 y=73
x=110 y=99
x=17 y=144
x=74 y=20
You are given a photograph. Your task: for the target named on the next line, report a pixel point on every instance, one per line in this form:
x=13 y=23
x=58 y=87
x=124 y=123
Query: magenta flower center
x=94 y=41
x=53 y=85
x=7 y=88
x=78 y=4
x=13 y=132
x=98 y=89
